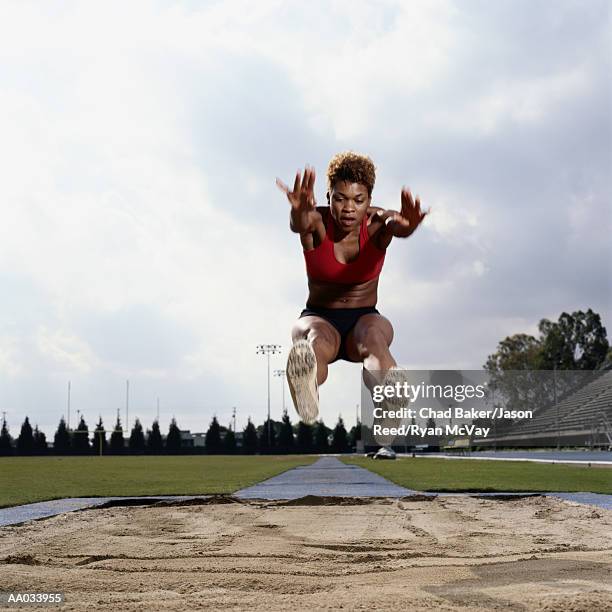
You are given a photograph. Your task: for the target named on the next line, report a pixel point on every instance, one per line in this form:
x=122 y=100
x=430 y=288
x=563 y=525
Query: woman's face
x=348 y=203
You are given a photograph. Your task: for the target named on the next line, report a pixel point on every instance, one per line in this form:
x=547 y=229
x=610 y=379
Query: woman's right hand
x=302 y=200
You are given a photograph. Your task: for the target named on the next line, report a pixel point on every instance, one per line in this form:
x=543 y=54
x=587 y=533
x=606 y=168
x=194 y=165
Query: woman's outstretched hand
x=302 y=195
x=403 y=223
x=302 y=200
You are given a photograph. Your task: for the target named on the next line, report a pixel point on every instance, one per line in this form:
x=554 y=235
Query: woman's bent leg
x=369 y=343
x=315 y=345
x=324 y=339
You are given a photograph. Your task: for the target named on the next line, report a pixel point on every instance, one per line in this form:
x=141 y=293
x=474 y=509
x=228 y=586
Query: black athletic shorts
x=343 y=319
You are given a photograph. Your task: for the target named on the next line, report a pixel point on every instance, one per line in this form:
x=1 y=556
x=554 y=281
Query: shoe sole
x=393 y=376
x=302 y=379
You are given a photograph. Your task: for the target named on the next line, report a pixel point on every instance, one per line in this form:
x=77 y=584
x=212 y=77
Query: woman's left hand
x=402 y=224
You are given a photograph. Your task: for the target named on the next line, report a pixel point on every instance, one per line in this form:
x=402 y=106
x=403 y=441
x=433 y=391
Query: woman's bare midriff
x=335 y=295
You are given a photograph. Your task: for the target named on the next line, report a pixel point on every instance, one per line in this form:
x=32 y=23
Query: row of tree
x=533 y=372
x=577 y=341
x=270 y=437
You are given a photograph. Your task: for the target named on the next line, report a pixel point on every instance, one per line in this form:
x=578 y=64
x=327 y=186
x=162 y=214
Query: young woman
x=344 y=244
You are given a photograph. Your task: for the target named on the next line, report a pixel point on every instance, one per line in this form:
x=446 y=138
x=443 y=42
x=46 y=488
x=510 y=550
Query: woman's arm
x=399 y=224
x=304 y=216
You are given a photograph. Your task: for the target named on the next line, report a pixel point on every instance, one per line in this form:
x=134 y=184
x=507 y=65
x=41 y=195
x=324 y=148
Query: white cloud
x=139 y=148
x=65 y=351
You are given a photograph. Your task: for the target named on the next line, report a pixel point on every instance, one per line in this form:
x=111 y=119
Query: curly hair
x=351 y=167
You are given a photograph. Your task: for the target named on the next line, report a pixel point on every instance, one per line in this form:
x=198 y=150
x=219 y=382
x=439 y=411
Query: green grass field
x=30 y=479
x=470 y=475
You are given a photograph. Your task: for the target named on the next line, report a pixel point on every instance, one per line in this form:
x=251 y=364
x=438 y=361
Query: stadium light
x=281 y=375
x=268 y=349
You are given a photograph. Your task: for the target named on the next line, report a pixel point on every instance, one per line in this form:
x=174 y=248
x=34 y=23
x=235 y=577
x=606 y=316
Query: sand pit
x=445 y=553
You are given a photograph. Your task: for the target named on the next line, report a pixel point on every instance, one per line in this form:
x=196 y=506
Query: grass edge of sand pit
x=25 y=480
x=482 y=476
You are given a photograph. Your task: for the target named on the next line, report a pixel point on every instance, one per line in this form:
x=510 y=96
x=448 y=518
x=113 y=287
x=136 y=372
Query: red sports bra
x=322 y=265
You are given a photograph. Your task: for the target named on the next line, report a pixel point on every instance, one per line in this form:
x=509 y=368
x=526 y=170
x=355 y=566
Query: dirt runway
x=445 y=553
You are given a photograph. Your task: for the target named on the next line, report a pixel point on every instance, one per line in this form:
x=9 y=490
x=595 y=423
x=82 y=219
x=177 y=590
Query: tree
x=433 y=439
x=249 y=438
x=154 y=439
x=412 y=439
x=6 y=442
x=355 y=435
x=80 y=439
x=340 y=439
x=229 y=443
x=285 y=436
x=117 y=441
x=523 y=370
x=173 y=439
x=25 y=441
x=575 y=342
x=137 y=440
x=213 y=438
x=61 y=439
x=518 y=352
x=304 y=438
x=99 y=438
x=267 y=437
x=40 y=442
x=320 y=435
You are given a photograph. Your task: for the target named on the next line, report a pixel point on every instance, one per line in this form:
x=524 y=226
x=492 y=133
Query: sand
x=446 y=553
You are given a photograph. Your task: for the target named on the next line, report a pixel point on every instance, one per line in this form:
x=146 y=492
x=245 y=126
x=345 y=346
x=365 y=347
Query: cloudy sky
x=142 y=236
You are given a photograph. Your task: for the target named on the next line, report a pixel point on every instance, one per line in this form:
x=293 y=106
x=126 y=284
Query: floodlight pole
x=281 y=375
x=68 y=405
x=556 y=406
x=268 y=349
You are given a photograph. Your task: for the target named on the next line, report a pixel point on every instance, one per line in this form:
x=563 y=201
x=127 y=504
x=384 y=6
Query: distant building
x=239 y=438
x=186 y=439
x=199 y=439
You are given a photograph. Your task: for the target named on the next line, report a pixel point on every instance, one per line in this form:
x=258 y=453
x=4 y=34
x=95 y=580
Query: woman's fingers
x=407 y=202
x=302 y=188
x=282 y=186
x=297 y=183
x=311 y=180
x=412 y=207
x=307 y=188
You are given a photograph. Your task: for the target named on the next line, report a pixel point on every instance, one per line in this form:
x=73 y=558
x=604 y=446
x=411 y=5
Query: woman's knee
x=324 y=339
x=373 y=336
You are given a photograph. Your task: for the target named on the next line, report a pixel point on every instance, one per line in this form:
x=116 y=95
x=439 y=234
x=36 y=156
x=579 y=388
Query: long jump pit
x=319 y=553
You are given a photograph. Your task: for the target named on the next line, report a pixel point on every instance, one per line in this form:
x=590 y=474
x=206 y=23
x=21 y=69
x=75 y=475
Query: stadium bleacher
x=583 y=417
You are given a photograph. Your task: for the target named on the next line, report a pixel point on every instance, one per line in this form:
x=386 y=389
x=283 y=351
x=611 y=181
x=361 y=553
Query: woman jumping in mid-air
x=344 y=247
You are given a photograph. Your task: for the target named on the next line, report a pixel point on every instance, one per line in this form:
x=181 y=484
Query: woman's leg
x=369 y=343
x=315 y=346
x=324 y=339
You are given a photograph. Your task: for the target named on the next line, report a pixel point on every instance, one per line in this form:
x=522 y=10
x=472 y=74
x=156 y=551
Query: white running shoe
x=302 y=379
x=393 y=376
